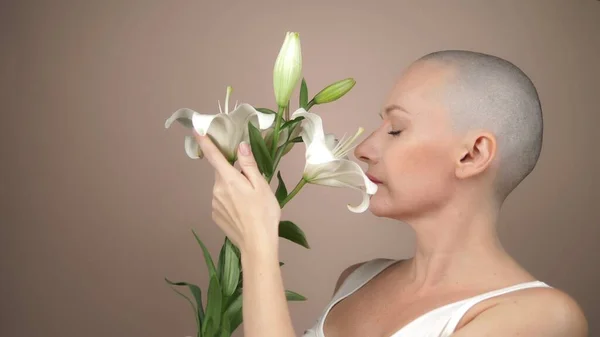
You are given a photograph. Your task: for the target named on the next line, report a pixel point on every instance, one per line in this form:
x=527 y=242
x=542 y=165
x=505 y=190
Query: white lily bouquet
x=271 y=135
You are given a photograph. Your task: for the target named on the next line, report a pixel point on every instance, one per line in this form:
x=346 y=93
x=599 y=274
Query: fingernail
x=244 y=148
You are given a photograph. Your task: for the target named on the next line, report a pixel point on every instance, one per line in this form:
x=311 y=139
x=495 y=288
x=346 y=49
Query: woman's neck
x=456 y=248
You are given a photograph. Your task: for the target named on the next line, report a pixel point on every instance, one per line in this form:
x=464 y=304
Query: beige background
x=98 y=198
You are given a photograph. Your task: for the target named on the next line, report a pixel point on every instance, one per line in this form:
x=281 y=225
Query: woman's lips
x=373 y=179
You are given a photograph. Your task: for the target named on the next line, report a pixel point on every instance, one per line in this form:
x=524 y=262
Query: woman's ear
x=476 y=154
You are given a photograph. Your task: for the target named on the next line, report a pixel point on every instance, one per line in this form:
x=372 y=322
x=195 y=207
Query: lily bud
x=334 y=91
x=288 y=68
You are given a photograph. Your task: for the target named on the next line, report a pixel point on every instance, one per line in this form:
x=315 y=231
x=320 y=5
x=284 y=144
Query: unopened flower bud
x=288 y=69
x=334 y=91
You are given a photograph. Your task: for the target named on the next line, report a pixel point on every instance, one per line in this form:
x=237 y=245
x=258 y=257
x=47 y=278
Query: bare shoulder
x=547 y=312
x=345 y=273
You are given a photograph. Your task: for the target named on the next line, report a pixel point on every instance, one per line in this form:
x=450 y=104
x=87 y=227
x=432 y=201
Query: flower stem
x=287 y=111
x=310 y=105
x=295 y=191
x=276 y=131
x=278 y=155
x=279 y=152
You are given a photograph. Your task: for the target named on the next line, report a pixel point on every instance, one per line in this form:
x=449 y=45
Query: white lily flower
x=226 y=129
x=327 y=161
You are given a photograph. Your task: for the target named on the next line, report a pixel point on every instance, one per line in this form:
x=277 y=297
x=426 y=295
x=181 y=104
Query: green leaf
x=237 y=252
x=236 y=319
x=281 y=192
x=303 y=94
x=234 y=310
x=290 y=231
x=195 y=290
x=225 y=327
x=209 y=262
x=232 y=298
x=292 y=122
x=197 y=309
x=260 y=151
x=266 y=111
x=235 y=304
x=214 y=304
x=292 y=296
x=209 y=326
x=235 y=313
x=221 y=263
x=241 y=280
x=231 y=269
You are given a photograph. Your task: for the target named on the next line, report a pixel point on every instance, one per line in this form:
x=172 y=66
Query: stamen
x=340 y=142
x=347 y=145
x=221 y=111
x=227 y=99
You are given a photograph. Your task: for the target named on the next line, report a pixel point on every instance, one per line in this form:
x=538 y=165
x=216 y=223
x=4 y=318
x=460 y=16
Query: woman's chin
x=384 y=207
x=376 y=206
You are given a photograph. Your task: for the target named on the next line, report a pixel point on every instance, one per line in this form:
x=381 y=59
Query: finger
x=214 y=155
x=248 y=164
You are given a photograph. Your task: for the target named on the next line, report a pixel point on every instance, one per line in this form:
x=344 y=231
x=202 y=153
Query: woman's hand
x=243 y=204
x=247 y=211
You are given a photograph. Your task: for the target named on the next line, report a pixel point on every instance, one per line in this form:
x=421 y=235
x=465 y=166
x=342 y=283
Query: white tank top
x=439 y=322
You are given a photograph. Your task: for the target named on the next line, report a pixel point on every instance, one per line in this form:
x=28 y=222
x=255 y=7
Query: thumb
x=248 y=164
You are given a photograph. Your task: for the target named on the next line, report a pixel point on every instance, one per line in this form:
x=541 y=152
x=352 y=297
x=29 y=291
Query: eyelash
x=394 y=133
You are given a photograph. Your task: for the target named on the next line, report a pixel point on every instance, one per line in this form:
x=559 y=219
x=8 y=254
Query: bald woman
x=459 y=132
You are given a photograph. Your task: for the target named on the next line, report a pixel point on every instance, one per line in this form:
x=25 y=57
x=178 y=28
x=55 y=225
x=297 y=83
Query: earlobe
x=477 y=154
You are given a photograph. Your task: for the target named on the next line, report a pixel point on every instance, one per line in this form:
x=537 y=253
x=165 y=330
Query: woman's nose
x=364 y=151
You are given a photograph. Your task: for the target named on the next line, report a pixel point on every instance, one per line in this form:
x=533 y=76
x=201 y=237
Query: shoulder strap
x=361 y=275
x=462 y=310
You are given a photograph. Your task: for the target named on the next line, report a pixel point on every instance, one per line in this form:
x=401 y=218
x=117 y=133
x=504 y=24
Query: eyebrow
x=391 y=108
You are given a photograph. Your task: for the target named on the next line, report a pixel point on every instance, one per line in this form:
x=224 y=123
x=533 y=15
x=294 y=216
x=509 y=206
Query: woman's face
x=411 y=153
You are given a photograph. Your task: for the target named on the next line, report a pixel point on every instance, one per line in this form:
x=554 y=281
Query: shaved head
x=489 y=93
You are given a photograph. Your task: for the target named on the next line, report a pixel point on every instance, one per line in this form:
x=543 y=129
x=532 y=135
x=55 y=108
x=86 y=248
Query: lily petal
x=245 y=113
x=342 y=173
x=363 y=206
x=192 y=148
x=219 y=128
x=312 y=126
x=318 y=153
x=330 y=141
x=183 y=116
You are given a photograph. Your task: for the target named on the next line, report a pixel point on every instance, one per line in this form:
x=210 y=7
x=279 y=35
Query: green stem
x=278 y=156
x=295 y=191
x=279 y=152
x=310 y=105
x=276 y=131
x=276 y=161
x=287 y=111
